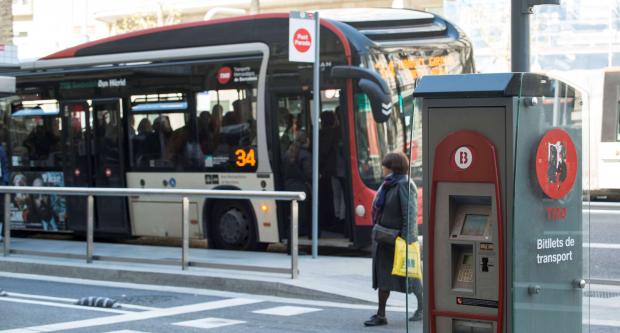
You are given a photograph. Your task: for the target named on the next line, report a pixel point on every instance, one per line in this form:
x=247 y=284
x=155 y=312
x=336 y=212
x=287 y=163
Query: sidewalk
x=327 y=278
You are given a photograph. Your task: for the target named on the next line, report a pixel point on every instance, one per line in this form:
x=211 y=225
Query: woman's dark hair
x=397 y=162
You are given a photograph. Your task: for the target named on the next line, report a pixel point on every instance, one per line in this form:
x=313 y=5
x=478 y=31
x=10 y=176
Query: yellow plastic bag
x=410 y=268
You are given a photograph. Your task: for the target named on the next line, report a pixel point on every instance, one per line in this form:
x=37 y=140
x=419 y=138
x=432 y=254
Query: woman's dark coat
x=400 y=207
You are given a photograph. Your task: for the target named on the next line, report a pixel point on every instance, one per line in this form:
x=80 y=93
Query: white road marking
x=602 y=246
x=133 y=316
x=195 y=291
x=603 y=211
x=126 y=331
x=61 y=305
x=286 y=311
x=601 y=322
x=73 y=300
x=208 y=323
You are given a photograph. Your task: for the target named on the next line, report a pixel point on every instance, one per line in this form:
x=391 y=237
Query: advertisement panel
x=35 y=211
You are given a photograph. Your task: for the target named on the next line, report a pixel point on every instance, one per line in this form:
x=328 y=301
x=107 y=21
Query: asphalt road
x=42 y=304
x=47 y=304
x=604 y=239
x=36 y=305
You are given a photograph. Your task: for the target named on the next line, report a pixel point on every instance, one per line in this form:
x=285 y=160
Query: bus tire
x=232 y=226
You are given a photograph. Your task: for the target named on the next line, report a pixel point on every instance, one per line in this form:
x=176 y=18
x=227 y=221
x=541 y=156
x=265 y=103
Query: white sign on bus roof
x=301 y=37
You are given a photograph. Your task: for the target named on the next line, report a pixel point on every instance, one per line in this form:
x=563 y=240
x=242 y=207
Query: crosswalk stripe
x=134 y=316
x=73 y=300
x=62 y=305
x=208 y=323
x=286 y=311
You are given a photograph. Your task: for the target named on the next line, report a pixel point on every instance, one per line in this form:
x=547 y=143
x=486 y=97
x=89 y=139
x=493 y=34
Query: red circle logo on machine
x=302 y=40
x=463 y=157
x=556 y=163
x=224 y=75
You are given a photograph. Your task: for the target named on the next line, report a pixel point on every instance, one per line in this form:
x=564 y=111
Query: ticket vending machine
x=502 y=204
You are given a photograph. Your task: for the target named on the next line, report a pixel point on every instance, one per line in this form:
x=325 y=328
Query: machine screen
x=474 y=225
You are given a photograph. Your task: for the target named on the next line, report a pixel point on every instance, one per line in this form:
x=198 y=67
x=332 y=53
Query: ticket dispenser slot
x=469 y=326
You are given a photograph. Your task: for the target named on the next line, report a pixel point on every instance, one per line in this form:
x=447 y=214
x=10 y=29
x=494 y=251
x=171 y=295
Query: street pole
x=520 y=12
x=315 y=137
x=520 y=36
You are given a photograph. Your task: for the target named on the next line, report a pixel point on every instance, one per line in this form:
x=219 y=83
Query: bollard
x=294 y=239
x=185 y=234
x=90 y=225
x=7 y=224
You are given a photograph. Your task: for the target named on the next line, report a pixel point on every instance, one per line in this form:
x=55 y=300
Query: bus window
x=161 y=137
x=374 y=140
x=35 y=134
x=226 y=123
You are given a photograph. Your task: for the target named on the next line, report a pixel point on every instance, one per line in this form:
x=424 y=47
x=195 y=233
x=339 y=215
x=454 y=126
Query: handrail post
x=293 y=238
x=7 y=224
x=185 y=234
x=90 y=225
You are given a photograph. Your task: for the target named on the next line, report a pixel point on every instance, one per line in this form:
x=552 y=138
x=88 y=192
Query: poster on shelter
x=38 y=211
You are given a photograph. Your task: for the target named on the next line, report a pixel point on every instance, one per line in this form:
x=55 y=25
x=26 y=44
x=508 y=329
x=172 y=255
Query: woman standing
x=394 y=211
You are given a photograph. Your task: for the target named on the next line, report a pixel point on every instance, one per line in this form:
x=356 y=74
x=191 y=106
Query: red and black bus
x=216 y=104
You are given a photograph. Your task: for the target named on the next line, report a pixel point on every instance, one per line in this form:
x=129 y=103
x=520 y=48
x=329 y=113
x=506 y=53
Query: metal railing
x=184 y=195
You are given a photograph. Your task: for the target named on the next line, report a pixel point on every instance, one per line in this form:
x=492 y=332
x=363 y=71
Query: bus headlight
x=264 y=208
x=360 y=210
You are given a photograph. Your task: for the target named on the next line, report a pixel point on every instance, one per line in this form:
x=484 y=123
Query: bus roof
x=361 y=27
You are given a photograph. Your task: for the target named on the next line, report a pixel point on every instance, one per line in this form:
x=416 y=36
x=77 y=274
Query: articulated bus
x=216 y=105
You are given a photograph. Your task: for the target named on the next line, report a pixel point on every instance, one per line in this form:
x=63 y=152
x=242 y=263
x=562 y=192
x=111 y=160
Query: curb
x=229 y=284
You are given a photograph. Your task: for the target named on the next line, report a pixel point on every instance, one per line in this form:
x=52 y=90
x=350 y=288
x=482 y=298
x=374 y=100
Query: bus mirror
x=371 y=83
x=380 y=103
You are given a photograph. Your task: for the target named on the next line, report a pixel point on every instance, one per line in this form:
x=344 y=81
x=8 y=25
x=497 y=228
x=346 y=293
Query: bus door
x=294 y=117
x=94 y=159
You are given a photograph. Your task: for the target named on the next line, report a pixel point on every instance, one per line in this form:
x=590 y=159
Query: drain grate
x=601 y=294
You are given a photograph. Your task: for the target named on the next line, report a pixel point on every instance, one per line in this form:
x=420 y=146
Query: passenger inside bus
x=155 y=142
x=290 y=132
x=216 y=124
x=331 y=210
x=177 y=149
x=205 y=134
x=233 y=117
x=43 y=141
x=297 y=170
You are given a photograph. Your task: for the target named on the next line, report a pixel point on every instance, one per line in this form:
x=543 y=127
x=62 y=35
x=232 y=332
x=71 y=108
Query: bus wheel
x=233 y=227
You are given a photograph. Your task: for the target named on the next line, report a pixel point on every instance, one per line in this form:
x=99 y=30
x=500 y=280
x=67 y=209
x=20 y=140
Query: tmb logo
x=224 y=75
x=556 y=163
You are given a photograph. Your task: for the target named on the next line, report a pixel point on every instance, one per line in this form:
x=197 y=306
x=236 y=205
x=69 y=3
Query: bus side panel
x=161 y=216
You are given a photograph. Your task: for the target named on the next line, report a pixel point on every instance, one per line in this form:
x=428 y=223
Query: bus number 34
x=245 y=158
